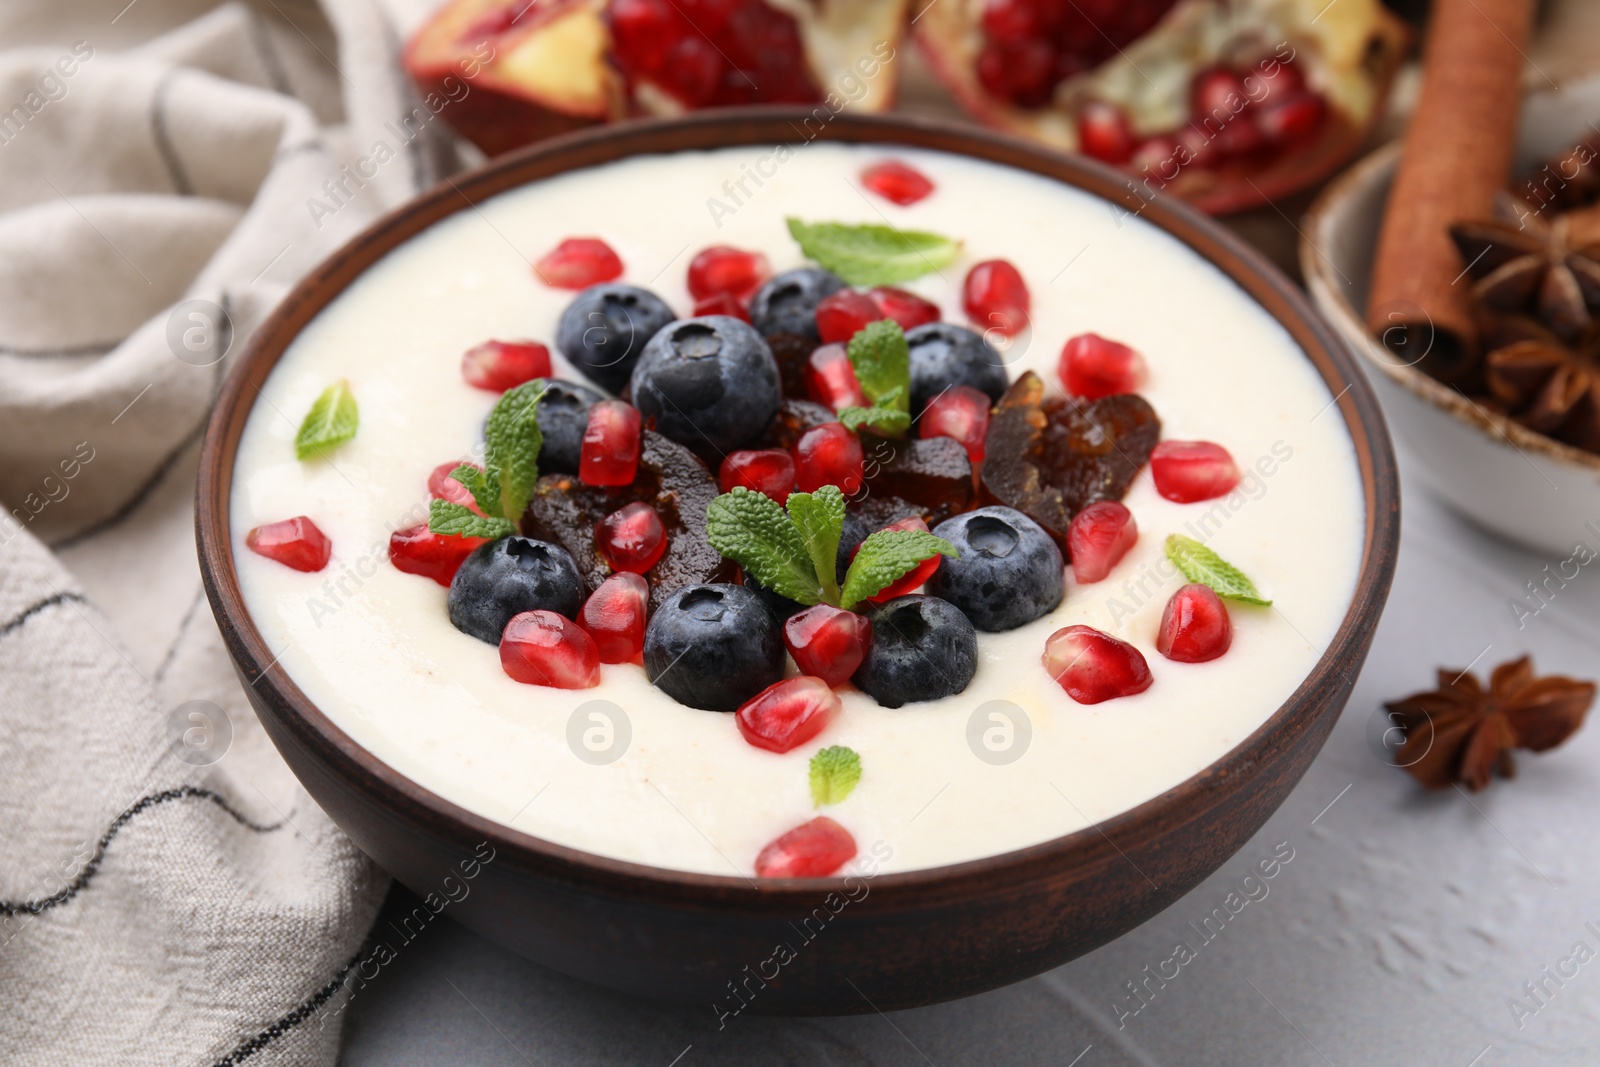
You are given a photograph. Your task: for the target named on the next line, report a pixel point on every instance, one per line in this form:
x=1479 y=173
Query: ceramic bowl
x=1519 y=484
x=902 y=939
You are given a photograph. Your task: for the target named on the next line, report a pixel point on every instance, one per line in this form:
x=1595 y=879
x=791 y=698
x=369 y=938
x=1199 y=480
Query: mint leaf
x=819 y=519
x=331 y=421
x=886 y=556
x=1199 y=564
x=511 y=460
x=872 y=254
x=834 y=774
x=477 y=483
x=448 y=517
x=753 y=530
x=882 y=362
x=886 y=421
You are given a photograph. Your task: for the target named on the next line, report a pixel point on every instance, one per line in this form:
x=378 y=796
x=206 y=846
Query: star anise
x=1526 y=265
x=1550 y=386
x=1461 y=732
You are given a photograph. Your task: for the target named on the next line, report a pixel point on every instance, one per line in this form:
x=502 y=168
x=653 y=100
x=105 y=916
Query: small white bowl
x=1520 y=484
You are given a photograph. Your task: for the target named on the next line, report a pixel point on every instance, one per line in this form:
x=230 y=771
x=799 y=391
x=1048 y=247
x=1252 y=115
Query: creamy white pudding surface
x=374 y=647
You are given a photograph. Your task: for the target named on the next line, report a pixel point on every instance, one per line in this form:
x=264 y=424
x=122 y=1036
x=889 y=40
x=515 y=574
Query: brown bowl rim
x=412 y=803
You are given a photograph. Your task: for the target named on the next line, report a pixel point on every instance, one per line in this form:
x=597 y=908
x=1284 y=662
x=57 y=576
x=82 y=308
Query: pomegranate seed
x=828 y=642
x=721 y=304
x=1202 y=150
x=961 y=412
x=610 y=451
x=1157 y=155
x=1194 y=626
x=1217 y=94
x=1291 y=119
x=631 y=538
x=543 y=648
x=1187 y=471
x=831 y=379
x=1023 y=72
x=1093 y=666
x=1285 y=81
x=767 y=470
x=501 y=365
x=1105 y=133
x=897 y=181
x=912 y=579
x=641 y=30
x=907 y=309
x=1093 y=367
x=812 y=850
x=787 y=714
x=417 y=550
x=579 y=262
x=1097 y=539
x=1240 y=137
x=829 y=455
x=443 y=487
x=720 y=269
x=293 y=542
x=1013 y=20
x=614 y=615
x=841 y=315
x=996 y=297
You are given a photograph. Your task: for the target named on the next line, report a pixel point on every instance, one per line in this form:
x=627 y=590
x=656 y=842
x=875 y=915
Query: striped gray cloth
x=168 y=892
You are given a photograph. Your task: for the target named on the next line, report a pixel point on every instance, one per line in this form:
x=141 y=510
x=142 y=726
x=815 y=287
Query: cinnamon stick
x=1457 y=156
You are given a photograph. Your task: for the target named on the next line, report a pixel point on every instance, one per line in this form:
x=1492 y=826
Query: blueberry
x=710 y=384
x=1009 y=571
x=563 y=416
x=507 y=577
x=855 y=532
x=788 y=302
x=605 y=328
x=712 y=647
x=922 y=648
x=944 y=354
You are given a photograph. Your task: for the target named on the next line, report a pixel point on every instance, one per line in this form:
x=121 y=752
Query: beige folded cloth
x=168 y=892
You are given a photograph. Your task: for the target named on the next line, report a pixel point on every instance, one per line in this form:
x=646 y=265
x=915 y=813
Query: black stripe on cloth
x=164 y=145
x=55 y=900
x=303 y=1011
x=177 y=638
x=48 y=602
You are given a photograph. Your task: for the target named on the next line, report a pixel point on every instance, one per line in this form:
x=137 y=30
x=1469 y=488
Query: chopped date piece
x=933 y=473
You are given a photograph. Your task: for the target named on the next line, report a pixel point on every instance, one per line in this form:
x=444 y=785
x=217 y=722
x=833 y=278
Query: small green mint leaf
x=511 y=459
x=887 y=556
x=477 y=483
x=448 y=517
x=819 y=518
x=834 y=774
x=1200 y=564
x=886 y=421
x=882 y=362
x=751 y=529
x=872 y=254
x=331 y=421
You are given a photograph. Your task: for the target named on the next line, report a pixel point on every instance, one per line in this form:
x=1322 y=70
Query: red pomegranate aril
x=722 y=304
x=1097 y=539
x=543 y=648
x=295 y=543
x=721 y=269
x=579 y=262
x=1216 y=95
x=829 y=455
x=1187 y=471
x=641 y=30
x=1105 y=133
x=831 y=379
x=907 y=309
x=417 y=550
x=1023 y=72
x=916 y=576
x=1093 y=666
x=827 y=642
x=961 y=412
x=610 y=452
x=1092 y=367
x=841 y=315
x=631 y=538
x=996 y=297
x=1159 y=155
x=1014 y=20
x=787 y=714
x=615 y=615
x=1292 y=119
x=766 y=470
x=1283 y=80
x=896 y=181
x=501 y=365
x=443 y=487
x=812 y=850
x=1194 y=626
